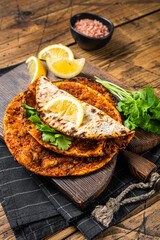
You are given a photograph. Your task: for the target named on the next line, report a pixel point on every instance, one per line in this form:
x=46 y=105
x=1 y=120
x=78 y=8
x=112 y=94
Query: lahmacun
x=84 y=155
x=79 y=147
x=29 y=153
x=96 y=125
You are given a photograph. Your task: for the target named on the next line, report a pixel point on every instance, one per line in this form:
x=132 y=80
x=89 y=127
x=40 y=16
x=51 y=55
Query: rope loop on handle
x=104 y=214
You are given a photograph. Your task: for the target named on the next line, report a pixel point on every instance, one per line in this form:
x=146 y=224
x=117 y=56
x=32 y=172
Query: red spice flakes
x=91 y=28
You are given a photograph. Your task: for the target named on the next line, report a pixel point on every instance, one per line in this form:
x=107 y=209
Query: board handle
x=139 y=166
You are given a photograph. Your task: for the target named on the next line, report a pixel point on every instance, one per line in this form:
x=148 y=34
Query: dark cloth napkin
x=35 y=208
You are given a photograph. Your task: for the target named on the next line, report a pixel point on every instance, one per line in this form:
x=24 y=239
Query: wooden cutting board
x=17 y=80
x=85 y=188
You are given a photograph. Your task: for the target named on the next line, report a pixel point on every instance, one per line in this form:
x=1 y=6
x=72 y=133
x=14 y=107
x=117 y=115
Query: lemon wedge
x=65 y=68
x=56 y=51
x=67 y=107
x=36 y=68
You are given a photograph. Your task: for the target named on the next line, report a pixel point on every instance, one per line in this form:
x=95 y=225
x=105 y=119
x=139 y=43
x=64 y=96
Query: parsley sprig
x=140 y=108
x=50 y=135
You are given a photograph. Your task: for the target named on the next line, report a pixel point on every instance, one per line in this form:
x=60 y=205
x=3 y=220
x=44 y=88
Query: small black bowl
x=90 y=43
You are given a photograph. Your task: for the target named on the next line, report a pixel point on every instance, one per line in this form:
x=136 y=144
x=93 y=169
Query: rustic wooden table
x=133 y=56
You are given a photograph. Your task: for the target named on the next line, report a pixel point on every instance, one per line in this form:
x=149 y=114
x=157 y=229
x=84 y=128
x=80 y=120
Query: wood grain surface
x=84 y=189
x=139 y=166
x=18 y=80
x=141 y=224
x=26 y=27
x=133 y=56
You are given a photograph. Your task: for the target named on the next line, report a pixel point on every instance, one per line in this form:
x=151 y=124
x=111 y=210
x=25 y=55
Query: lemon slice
x=65 y=68
x=67 y=107
x=36 y=68
x=56 y=51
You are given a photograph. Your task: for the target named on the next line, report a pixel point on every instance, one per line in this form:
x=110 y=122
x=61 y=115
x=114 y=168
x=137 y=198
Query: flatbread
x=98 y=87
x=83 y=90
x=29 y=153
x=96 y=124
x=79 y=147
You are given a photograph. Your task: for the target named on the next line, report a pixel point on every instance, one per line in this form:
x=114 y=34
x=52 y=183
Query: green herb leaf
x=129 y=124
x=35 y=119
x=45 y=128
x=29 y=110
x=48 y=137
x=140 y=109
x=155 y=112
x=28 y=107
x=63 y=142
x=139 y=94
x=150 y=96
x=48 y=134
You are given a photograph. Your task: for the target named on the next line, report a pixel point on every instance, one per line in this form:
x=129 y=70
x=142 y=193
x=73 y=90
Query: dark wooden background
x=133 y=56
